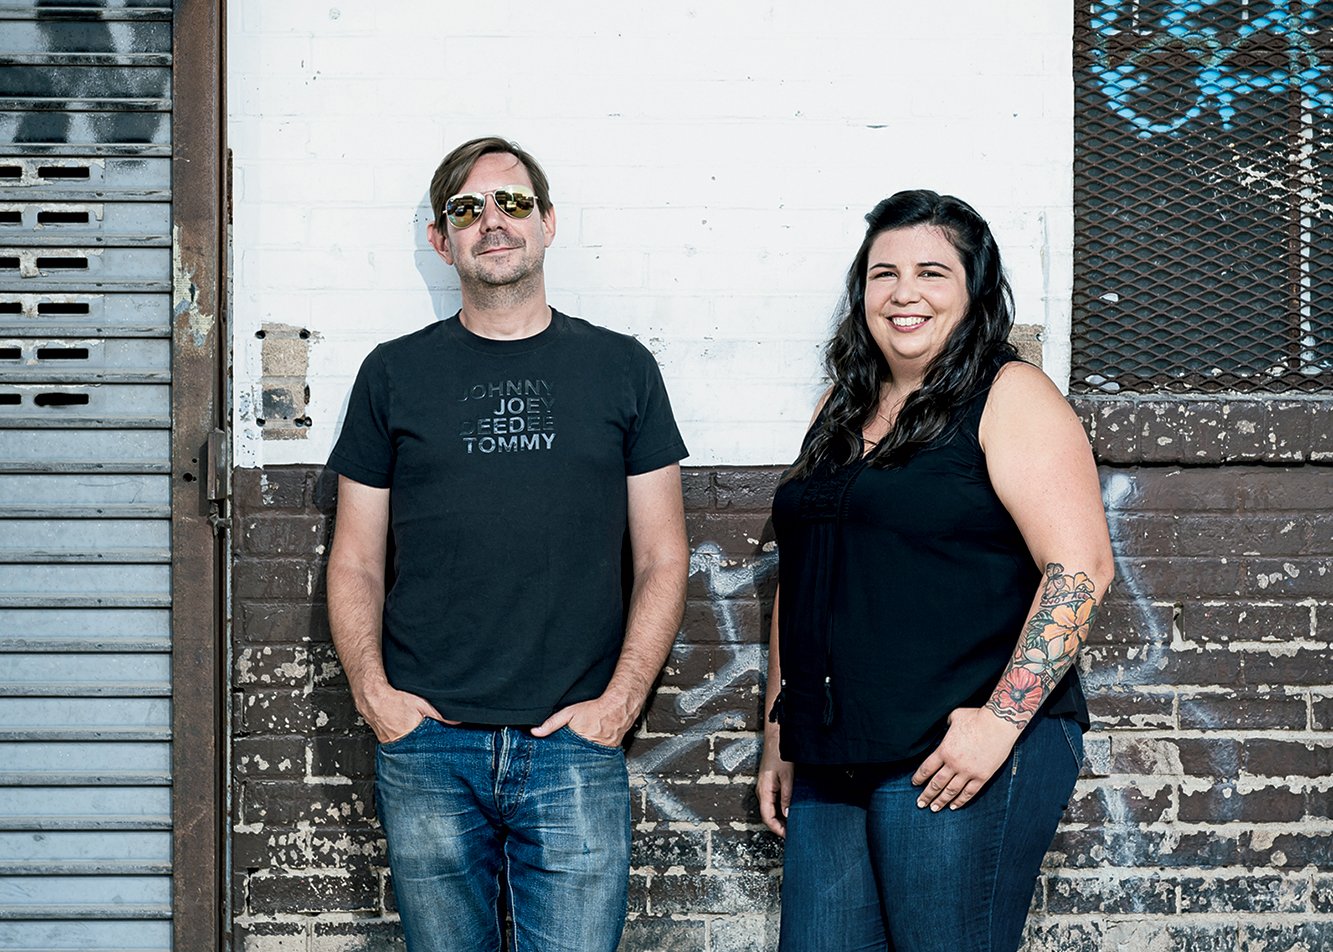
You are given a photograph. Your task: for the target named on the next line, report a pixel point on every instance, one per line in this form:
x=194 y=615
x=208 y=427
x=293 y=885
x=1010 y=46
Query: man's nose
x=491 y=216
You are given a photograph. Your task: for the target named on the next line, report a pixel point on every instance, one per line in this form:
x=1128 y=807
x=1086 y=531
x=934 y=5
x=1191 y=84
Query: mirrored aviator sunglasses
x=516 y=201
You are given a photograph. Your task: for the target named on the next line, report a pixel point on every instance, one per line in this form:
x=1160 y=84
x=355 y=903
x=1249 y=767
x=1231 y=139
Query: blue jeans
x=865 y=868
x=466 y=808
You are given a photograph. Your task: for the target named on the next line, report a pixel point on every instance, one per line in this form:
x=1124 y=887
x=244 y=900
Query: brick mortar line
x=1309 y=829
x=1267 y=647
x=309 y=872
x=1195 y=918
x=1169 y=874
x=1216 y=691
x=1219 y=514
x=1314 y=783
x=313 y=918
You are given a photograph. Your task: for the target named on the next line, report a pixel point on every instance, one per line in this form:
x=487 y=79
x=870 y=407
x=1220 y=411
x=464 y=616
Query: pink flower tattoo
x=1020 y=692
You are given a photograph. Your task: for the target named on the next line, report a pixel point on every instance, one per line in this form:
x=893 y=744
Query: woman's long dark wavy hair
x=857 y=368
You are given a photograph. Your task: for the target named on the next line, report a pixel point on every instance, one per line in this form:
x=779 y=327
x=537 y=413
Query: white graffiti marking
x=725 y=581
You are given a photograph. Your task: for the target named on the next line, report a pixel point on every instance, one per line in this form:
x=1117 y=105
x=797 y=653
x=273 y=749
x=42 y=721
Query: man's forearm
x=657 y=603
x=356 y=602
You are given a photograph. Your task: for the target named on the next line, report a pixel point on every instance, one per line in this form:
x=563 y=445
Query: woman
x=942 y=550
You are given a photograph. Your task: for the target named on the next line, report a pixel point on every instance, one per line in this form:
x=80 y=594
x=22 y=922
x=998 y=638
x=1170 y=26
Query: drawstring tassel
x=775 y=715
x=828 y=700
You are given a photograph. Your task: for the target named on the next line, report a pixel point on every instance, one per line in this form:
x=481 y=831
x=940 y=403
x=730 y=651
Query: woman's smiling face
x=916 y=294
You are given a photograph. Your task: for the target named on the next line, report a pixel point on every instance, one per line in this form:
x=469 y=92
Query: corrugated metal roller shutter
x=85 y=464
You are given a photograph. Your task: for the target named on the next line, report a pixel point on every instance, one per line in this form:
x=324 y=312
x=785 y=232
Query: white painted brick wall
x=710 y=164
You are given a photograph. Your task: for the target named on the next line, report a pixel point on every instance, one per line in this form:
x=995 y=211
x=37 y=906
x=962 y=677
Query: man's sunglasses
x=516 y=201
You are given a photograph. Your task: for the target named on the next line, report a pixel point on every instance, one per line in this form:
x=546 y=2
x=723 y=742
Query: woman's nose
x=904 y=291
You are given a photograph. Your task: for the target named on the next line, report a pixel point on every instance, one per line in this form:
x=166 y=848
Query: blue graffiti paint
x=1221 y=78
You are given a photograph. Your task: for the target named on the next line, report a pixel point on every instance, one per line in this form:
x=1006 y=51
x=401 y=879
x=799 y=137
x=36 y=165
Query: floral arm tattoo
x=1049 y=644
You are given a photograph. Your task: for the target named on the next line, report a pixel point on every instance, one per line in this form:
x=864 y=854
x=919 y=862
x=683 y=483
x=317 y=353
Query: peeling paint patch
x=185 y=296
x=284 y=387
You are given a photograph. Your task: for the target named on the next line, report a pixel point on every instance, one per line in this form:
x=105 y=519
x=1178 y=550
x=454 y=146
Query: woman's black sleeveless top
x=903 y=593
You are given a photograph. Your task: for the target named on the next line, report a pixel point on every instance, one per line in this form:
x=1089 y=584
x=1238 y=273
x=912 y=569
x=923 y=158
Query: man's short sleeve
x=653 y=441
x=364 y=451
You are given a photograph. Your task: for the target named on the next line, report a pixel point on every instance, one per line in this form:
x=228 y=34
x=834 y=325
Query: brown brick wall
x=1202 y=821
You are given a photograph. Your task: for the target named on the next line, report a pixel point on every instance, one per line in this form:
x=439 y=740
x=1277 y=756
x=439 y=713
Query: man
x=511 y=449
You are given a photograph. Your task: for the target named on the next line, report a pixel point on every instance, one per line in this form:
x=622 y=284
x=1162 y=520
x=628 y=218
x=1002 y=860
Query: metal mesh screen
x=1203 y=221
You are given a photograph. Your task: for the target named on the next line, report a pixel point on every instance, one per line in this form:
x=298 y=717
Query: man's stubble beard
x=502 y=292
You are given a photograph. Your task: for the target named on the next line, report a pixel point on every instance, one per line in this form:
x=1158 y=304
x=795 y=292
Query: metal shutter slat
x=85 y=315
x=84 y=451
x=57 y=223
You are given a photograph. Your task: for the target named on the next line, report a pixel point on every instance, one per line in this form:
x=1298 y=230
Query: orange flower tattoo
x=1050 y=642
x=1068 y=626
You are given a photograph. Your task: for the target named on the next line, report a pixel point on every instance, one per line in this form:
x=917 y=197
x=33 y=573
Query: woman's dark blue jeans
x=866 y=869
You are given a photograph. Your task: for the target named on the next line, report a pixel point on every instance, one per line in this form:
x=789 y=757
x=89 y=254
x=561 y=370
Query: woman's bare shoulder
x=1022 y=400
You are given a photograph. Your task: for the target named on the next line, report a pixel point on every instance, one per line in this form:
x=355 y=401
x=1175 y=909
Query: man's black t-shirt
x=506 y=461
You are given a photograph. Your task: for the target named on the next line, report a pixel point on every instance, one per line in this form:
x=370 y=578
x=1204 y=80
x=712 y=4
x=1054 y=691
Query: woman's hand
x=774 y=786
x=975 y=746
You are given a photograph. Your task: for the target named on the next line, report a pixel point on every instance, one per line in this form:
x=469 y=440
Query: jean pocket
x=578 y=738
x=1074 y=735
x=414 y=732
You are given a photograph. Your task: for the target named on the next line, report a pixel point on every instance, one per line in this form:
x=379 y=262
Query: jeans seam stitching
x=999 y=857
x=1078 y=758
x=508 y=878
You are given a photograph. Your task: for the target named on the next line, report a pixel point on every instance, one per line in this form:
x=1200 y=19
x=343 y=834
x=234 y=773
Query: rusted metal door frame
x=199 y=342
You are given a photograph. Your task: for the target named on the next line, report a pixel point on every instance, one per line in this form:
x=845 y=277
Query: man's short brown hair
x=457 y=165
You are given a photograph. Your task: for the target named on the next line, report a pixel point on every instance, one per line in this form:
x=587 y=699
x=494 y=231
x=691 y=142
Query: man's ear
x=548 y=225
x=440 y=242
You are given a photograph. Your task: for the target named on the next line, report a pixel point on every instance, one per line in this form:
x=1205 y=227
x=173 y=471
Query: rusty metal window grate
x=1203 y=223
